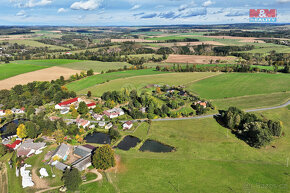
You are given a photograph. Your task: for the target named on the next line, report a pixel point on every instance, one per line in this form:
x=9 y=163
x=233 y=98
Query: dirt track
x=47 y=74
x=195 y=59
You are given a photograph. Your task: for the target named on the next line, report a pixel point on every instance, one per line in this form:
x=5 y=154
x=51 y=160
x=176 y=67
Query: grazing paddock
x=196 y=59
x=47 y=74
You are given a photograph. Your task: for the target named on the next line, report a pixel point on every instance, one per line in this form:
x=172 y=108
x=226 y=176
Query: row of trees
x=253 y=130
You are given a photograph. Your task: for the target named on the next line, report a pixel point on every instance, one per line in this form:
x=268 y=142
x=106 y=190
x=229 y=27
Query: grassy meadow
x=240 y=84
x=206 y=152
x=33 y=43
x=48 y=63
x=139 y=82
x=102 y=78
x=12 y=69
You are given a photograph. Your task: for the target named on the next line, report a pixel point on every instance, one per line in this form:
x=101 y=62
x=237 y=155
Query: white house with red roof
x=128 y=125
x=66 y=104
x=113 y=113
x=14 y=145
x=204 y=104
x=83 y=123
x=91 y=105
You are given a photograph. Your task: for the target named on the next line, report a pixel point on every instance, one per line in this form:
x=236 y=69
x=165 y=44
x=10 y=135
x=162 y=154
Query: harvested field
x=15 y=37
x=131 y=40
x=194 y=59
x=47 y=74
x=232 y=37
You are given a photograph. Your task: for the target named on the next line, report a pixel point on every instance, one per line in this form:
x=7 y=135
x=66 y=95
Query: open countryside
x=130 y=98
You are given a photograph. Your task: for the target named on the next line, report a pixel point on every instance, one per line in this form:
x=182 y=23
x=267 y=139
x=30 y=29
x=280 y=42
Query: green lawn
x=240 y=84
x=12 y=69
x=97 y=66
x=206 y=152
x=139 y=82
x=101 y=78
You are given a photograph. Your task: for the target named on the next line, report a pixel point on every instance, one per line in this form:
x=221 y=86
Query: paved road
x=198 y=117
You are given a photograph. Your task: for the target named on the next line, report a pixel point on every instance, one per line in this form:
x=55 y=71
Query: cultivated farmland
x=194 y=59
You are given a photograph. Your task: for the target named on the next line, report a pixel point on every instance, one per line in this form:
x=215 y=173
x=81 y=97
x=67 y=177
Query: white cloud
x=21 y=13
x=86 y=5
x=31 y=3
x=283 y=1
x=135 y=7
x=186 y=6
x=61 y=10
x=207 y=3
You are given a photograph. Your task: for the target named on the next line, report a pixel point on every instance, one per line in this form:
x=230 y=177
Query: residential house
x=109 y=126
x=18 y=111
x=97 y=117
x=28 y=148
x=61 y=152
x=204 y=104
x=82 y=123
x=91 y=105
x=128 y=125
x=54 y=118
x=16 y=144
x=102 y=124
x=113 y=113
x=66 y=104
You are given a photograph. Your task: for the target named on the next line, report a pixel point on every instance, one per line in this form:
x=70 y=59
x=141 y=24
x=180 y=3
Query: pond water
x=155 y=146
x=128 y=142
x=3 y=129
x=98 y=138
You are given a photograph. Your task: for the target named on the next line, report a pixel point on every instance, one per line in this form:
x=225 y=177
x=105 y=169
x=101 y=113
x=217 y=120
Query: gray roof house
x=62 y=151
x=82 y=163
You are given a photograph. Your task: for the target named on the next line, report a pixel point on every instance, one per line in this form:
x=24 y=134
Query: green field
x=9 y=70
x=101 y=78
x=139 y=82
x=206 y=152
x=253 y=101
x=240 y=84
x=33 y=43
x=47 y=63
x=97 y=66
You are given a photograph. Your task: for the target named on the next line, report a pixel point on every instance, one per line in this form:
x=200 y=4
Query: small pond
x=98 y=138
x=155 y=146
x=128 y=142
x=3 y=129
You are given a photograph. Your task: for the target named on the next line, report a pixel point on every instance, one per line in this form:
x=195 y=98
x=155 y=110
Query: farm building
x=28 y=148
x=59 y=165
x=66 y=104
x=91 y=105
x=84 y=152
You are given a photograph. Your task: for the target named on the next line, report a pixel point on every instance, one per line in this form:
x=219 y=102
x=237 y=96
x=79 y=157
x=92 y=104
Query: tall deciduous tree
x=72 y=179
x=104 y=158
x=21 y=131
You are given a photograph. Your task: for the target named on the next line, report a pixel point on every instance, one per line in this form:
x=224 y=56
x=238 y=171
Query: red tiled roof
x=22 y=108
x=68 y=102
x=13 y=145
x=129 y=122
x=91 y=104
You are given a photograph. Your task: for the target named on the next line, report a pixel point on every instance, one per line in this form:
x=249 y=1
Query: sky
x=134 y=12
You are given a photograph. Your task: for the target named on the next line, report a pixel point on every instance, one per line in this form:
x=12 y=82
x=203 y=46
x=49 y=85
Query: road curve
x=199 y=117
